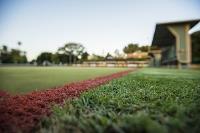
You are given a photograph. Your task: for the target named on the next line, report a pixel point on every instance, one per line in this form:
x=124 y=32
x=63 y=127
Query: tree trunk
x=70 y=58
x=74 y=59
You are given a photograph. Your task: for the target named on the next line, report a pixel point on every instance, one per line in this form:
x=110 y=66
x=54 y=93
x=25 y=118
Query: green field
x=146 y=101
x=25 y=79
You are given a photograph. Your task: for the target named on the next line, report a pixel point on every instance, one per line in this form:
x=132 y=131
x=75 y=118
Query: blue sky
x=100 y=25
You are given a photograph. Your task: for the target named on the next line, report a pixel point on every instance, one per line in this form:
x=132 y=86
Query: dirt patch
x=22 y=113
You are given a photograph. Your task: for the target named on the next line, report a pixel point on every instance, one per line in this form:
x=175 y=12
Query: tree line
x=69 y=53
x=72 y=53
x=12 y=55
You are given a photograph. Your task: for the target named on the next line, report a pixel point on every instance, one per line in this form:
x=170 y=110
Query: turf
x=148 y=101
x=19 y=80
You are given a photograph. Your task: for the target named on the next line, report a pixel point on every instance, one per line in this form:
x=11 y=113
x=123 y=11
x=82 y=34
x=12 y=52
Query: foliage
x=84 y=56
x=72 y=49
x=151 y=100
x=55 y=58
x=33 y=61
x=130 y=48
x=69 y=53
x=63 y=58
x=12 y=56
x=44 y=56
x=109 y=57
x=19 y=43
x=145 y=48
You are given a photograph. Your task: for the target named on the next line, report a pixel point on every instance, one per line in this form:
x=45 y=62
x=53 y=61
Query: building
x=173 y=43
x=137 y=55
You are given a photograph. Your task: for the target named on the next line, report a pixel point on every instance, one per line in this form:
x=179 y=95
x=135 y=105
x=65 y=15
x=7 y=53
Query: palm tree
x=19 y=43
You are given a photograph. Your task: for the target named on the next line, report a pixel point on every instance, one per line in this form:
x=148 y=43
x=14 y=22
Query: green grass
x=25 y=79
x=147 y=101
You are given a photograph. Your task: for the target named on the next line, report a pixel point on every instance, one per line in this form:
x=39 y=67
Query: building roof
x=191 y=22
x=163 y=37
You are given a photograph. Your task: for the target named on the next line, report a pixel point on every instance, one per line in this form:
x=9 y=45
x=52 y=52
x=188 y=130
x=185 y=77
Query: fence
x=115 y=64
x=135 y=64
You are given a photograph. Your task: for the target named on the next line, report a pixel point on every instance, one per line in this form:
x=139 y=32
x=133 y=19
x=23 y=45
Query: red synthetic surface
x=23 y=112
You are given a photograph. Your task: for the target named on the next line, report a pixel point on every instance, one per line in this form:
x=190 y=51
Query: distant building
x=137 y=55
x=173 y=43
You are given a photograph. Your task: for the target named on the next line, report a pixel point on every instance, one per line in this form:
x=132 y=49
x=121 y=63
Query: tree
x=144 y=48
x=108 y=56
x=19 y=43
x=64 y=58
x=12 y=56
x=45 y=56
x=5 y=55
x=15 y=53
x=23 y=59
x=73 y=50
x=32 y=61
x=4 y=49
x=55 y=58
x=84 y=56
x=131 y=48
